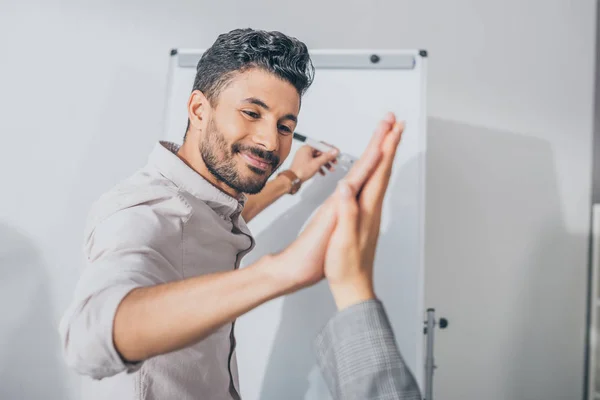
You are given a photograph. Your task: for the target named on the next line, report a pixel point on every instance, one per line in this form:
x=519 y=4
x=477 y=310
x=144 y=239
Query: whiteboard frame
x=335 y=59
x=357 y=59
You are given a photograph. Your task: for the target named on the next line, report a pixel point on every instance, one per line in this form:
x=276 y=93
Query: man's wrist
x=279 y=282
x=349 y=293
x=286 y=182
x=295 y=182
x=298 y=174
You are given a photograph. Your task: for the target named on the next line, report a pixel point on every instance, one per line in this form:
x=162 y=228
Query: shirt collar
x=164 y=157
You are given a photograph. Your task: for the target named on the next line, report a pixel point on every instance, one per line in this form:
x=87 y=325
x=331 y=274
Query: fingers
x=334 y=161
x=369 y=160
x=311 y=244
x=326 y=158
x=323 y=161
x=366 y=164
x=374 y=190
x=390 y=118
x=347 y=209
x=380 y=178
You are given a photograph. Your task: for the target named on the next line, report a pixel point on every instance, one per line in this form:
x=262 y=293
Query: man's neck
x=191 y=156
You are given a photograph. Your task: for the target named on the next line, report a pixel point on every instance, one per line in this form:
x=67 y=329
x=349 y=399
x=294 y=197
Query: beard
x=219 y=158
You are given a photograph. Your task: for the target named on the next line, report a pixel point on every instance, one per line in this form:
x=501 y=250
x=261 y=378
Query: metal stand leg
x=429 y=363
x=429 y=360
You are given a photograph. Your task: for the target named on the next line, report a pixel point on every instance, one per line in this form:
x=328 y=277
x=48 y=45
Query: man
x=356 y=350
x=162 y=288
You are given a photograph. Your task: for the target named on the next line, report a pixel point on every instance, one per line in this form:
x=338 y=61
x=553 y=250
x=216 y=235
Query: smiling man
x=154 y=309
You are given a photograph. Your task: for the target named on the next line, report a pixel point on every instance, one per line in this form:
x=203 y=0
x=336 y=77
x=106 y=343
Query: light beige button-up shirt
x=162 y=224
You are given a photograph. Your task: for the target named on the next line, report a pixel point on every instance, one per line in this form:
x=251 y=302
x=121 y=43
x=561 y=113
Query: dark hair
x=242 y=49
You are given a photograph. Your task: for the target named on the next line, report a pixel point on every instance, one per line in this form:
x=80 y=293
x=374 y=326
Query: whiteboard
x=350 y=94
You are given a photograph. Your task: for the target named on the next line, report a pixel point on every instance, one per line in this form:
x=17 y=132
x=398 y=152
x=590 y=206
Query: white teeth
x=256 y=162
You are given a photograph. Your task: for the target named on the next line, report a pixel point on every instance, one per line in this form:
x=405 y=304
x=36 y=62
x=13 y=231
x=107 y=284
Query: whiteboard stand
x=429 y=359
x=593 y=382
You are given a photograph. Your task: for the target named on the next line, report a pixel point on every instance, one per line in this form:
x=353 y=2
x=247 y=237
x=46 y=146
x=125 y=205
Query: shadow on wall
x=500 y=266
x=30 y=359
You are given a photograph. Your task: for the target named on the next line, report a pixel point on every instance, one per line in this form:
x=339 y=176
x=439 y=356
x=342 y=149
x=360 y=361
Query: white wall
x=510 y=98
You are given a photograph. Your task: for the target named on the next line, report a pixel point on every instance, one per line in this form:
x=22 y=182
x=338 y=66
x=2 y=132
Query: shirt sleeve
x=124 y=251
x=359 y=359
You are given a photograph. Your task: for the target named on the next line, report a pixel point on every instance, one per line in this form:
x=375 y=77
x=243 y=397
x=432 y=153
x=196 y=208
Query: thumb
x=324 y=158
x=347 y=221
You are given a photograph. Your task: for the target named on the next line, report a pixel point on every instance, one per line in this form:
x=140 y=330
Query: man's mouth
x=256 y=161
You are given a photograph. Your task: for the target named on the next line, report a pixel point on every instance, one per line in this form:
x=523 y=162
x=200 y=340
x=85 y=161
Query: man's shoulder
x=144 y=193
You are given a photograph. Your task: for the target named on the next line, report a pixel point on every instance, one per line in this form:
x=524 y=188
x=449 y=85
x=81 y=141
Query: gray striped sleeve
x=358 y=357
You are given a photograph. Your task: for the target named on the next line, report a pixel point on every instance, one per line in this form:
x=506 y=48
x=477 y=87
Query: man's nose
x=267 y=138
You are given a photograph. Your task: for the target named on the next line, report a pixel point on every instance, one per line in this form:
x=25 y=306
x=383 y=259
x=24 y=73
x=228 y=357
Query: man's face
x=249 y=132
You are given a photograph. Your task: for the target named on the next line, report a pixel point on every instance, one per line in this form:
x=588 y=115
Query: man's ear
x=198 y=109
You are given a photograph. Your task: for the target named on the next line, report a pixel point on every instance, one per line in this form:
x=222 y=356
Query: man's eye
x=251 y=114
x=285 y=129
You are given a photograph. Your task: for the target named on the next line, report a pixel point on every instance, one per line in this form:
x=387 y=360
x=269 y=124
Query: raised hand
x=351 y=249
x=301 y=263
x=308 y=161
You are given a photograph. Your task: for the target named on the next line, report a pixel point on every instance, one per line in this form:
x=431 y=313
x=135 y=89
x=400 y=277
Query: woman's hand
x=302 y=262
x=351 y=249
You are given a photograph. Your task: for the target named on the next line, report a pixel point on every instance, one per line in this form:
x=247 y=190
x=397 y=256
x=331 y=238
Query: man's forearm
x=168 y=317
x=272 y=191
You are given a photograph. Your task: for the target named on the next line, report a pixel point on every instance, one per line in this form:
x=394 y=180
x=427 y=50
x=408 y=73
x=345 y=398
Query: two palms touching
x=340 y=240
